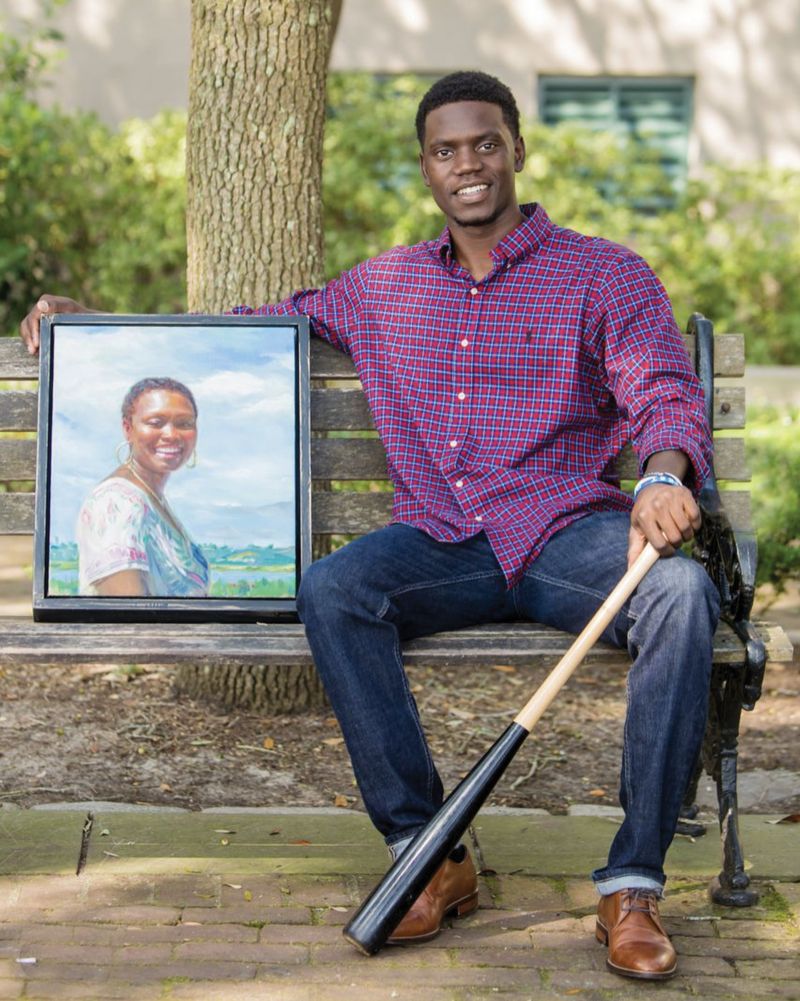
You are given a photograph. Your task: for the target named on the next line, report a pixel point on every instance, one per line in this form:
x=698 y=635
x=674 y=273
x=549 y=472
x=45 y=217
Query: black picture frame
x=244 y=510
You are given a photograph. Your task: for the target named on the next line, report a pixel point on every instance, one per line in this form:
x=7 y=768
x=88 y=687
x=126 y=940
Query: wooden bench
x=268 y=666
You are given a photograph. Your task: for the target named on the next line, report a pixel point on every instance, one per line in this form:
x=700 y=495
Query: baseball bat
x=390 y=900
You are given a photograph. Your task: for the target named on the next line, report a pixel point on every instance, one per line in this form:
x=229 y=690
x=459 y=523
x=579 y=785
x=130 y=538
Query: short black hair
x=468 y=85
x=146 y=385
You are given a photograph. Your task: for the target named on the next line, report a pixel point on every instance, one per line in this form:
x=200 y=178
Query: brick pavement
x=181 y=926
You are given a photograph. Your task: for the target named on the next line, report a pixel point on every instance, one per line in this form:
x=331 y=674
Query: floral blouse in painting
x=119 y=528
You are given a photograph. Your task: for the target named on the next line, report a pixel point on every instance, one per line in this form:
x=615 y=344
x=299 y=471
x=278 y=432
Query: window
x=654 y=112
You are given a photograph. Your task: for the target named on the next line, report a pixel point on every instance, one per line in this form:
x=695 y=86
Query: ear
x=423 y=171
x=519 y=154
x=127 y=428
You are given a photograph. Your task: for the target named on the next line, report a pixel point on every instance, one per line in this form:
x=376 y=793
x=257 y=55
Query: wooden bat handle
x=534 y=709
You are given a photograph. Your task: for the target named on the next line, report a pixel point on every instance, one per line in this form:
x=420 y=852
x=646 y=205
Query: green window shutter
x=654 y=112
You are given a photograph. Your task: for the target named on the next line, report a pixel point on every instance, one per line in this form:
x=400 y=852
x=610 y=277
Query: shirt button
x=473 y=291
x=459 y=483
x=453 y=443
x=462 y=396
x=464 y=343
x=478 y=517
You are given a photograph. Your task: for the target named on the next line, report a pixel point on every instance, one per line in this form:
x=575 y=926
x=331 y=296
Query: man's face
x=468 y=160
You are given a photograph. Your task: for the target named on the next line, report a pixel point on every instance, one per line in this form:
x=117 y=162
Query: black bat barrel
x=392 y=898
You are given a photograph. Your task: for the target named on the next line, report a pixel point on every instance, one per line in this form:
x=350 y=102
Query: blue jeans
x=359 y=603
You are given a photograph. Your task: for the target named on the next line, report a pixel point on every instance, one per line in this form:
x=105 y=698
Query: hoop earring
x=127 y=458
x=193 y=461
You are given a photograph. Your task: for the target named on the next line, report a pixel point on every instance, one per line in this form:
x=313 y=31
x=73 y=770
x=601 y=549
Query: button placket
x=461 y=381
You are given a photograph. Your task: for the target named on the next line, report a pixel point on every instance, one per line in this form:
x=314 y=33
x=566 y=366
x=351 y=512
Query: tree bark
x=270 y=688
x=254 y=213
x=254 y=148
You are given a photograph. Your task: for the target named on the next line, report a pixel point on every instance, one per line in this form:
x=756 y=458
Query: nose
x=467 y=161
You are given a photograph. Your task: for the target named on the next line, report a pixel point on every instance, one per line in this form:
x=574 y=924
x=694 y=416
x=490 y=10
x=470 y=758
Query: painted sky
x=242 y=491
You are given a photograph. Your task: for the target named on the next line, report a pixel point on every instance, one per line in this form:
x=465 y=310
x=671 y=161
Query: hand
x=47 y=305
x=665 y=516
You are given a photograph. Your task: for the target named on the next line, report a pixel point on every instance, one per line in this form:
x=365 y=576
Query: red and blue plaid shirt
x=502 y=403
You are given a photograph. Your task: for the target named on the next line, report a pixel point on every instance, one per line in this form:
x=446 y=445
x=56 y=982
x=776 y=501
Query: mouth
x=471 y=192
x=169 y=453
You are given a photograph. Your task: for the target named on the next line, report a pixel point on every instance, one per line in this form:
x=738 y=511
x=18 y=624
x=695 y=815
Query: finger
x=671 y=513
x=29 y=329
x=636 y=543
x=693 y=512
x=651 y=526
x=685 y=519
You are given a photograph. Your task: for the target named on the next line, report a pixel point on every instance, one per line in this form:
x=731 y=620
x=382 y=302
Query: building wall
x=130 y=57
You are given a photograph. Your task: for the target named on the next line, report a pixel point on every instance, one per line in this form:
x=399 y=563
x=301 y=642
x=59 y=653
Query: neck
x=473 y=245
x=150 y=479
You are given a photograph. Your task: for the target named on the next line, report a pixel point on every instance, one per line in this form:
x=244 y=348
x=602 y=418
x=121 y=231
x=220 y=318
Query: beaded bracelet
x=651 y=478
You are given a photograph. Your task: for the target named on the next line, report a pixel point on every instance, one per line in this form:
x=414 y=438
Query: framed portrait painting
x=173 y=476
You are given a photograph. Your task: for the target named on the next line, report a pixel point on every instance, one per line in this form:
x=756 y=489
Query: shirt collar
x=521 y=241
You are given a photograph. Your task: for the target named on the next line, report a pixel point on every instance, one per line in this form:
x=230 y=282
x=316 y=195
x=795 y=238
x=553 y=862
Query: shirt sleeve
x=337 y=311
x=110 y=533
x=648 y=369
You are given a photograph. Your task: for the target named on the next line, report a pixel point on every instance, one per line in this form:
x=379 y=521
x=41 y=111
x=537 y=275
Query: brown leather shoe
x=628 y=923
x=453 y=890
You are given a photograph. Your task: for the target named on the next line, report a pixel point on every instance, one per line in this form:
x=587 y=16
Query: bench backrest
x=351 y=491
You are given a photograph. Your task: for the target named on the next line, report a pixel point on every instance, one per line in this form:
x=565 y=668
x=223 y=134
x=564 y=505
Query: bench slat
x=15 y=362
x=342 y=409
x=16 y=514
x=18 y=410
x=349 y=513
x=522 y=644
x=364 y=459
x=337 y=512
x=17 y=459
x=338 y=410
x=729 y=408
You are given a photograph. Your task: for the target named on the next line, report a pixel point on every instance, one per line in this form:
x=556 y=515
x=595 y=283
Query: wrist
x=650 y=479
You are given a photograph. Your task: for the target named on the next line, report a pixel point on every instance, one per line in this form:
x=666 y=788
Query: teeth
x=472 y=189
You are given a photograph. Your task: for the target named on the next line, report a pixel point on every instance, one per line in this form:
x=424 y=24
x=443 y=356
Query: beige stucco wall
x=130 y=57
x=124 y=58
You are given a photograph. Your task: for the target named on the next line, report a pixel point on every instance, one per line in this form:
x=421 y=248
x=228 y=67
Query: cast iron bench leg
x=740 y=690
x=732 y=887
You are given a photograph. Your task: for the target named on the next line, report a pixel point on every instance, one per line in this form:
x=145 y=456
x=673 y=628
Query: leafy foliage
x=773 y=452
x=84 y=210
x=372 y=191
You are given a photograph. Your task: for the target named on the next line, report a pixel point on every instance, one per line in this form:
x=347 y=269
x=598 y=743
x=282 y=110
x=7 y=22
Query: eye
x=488 y=146
x=442 y=154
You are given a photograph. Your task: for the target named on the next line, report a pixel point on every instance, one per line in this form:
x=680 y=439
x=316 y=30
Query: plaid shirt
x=502 y=403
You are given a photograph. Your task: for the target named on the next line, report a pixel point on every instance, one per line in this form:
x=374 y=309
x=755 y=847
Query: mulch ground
x=112 y=733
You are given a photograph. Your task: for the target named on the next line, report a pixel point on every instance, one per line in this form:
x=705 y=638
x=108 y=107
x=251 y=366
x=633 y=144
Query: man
x=506 y=363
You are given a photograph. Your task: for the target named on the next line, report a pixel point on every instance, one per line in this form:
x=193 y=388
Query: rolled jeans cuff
x=396 y=848
x=605 y=887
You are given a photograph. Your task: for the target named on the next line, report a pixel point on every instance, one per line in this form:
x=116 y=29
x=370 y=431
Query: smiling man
x=506 y=363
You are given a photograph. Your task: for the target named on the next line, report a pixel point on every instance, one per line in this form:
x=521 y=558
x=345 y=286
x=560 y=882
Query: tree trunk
x=254 y=213
x=254 y=148
x=271 y=688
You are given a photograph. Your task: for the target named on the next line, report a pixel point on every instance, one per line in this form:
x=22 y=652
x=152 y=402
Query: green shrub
x=84 y=210
x=773 y=452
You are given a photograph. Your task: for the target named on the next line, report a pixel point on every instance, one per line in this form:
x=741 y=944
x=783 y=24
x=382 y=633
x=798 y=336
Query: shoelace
x=640 y=899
